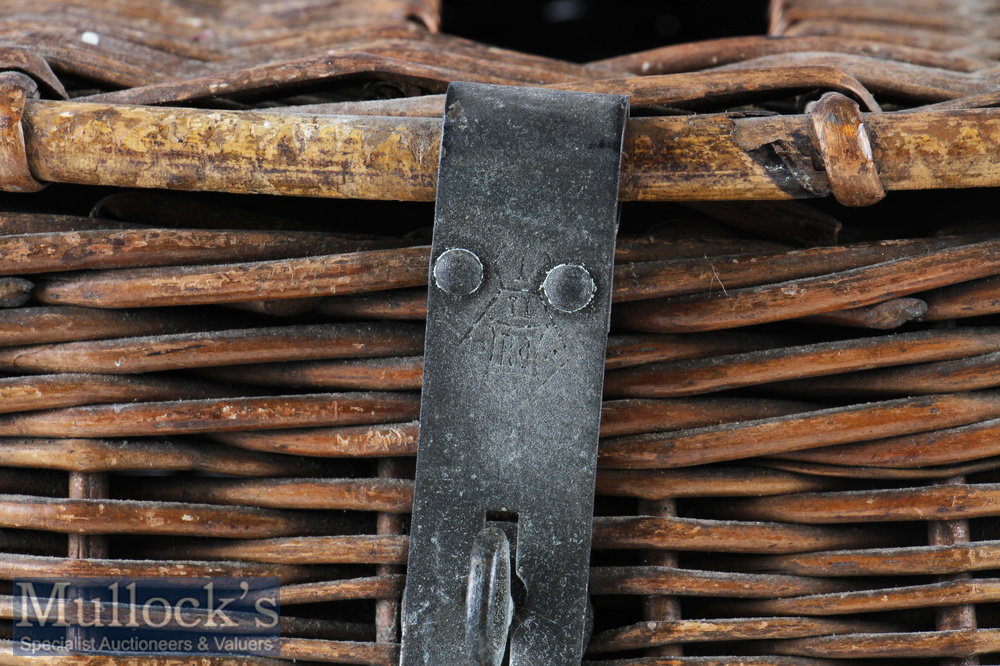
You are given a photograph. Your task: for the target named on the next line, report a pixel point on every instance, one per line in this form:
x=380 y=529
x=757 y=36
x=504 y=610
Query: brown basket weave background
x=800 y=443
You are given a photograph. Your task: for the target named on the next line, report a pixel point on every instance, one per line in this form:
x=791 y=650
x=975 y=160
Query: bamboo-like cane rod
x=400 y=439
x=951 y=593
x=213 y=416
x=379 y=439
x=350 y=273
x=375 y=159
x=798 y=432
x=935 y=447
x=228 y=347
x=916 y=645
x=965 y=374
x=66 y=390
x=968 y=299
x=378 y=494
x=853 y=472
x=811 y=296
x=668 y=158
x=609 y=533
x=404 y=304
x=339 y=652
x=396 y=495
x=16 y=224
x=406 y=267
x=714 y=52
x=14 y=566
x=95 y=455
x=171 y=518
x=108 y=248
x=357 y=549
x=852 y=73
x=787 y=436
x=678 y=89
x=634 y=416
x=635 y=281
x=370 y=374
x=946 y=502
x=40 y=325
x=688 y=582
x=411 y=304
x=638 y=349
x=646 y=634
x=383 y=440
x=689 y=534
x=603 y=581
x=704 y=482
x=911 y=561
x=894 y=79
x=916 y=35
x=373 y=587
x=679 y=378
x=880 y=316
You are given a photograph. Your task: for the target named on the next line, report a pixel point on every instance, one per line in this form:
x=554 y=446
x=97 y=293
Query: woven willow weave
x=211 y=336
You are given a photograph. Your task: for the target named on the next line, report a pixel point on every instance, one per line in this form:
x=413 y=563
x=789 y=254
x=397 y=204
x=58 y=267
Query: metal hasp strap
x=518 y=315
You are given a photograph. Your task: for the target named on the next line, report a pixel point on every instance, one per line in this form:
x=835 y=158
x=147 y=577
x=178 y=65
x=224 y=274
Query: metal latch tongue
x=518 y=314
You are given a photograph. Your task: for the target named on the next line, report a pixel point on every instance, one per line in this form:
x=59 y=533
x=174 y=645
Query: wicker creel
x=798 y=463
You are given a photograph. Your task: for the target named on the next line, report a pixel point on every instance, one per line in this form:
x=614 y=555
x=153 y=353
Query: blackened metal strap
x=518 y=315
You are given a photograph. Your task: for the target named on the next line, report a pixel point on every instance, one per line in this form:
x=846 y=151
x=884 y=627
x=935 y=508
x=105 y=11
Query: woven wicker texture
x=801 y=427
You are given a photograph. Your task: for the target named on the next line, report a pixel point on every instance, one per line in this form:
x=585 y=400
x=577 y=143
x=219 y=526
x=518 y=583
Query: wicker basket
x=799 y=457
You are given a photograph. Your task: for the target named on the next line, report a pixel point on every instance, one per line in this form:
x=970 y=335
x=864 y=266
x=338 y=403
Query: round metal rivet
x=458 y=272
x=569 y=287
